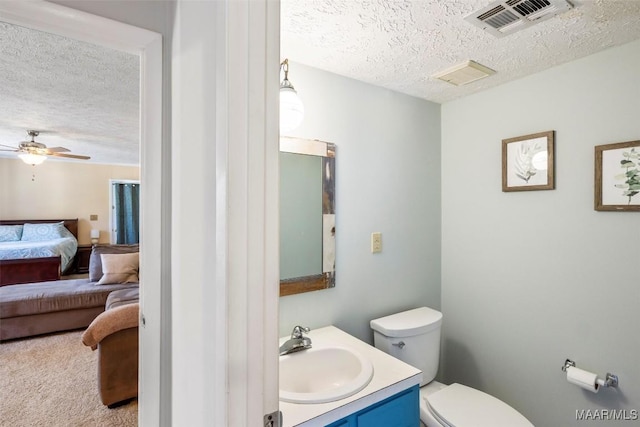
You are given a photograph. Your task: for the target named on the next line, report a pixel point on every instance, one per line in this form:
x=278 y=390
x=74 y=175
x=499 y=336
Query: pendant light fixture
x=291 y=108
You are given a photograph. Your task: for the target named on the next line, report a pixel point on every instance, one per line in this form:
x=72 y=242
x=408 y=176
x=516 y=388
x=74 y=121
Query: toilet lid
x=462 y=406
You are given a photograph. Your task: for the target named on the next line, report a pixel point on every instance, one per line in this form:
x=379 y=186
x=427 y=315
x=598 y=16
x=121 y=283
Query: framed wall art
x=617 y=177
x=528 y=162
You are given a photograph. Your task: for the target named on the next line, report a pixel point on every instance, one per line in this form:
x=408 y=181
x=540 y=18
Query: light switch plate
x=376 y=242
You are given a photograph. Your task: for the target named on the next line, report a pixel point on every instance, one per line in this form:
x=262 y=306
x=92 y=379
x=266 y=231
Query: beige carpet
x=52 y=381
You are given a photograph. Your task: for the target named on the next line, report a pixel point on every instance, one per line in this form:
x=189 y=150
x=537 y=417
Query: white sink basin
x=324 y=374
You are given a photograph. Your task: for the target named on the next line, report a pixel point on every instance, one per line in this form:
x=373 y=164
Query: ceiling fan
x=34 y=153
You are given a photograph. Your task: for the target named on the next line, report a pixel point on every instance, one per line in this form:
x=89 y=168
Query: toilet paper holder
x=611 y=380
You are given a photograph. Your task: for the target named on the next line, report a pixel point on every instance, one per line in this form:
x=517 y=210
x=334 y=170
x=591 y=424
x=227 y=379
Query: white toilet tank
x=412 y=336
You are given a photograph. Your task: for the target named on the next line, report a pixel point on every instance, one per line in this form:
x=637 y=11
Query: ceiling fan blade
x=9 y=146
x=13 y=151
x=58 y=150
x=70 y=156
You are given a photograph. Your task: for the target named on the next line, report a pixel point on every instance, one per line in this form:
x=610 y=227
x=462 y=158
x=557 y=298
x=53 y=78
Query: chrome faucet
x=297 y=341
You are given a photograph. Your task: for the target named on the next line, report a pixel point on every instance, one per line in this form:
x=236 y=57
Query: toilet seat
x=461 y=406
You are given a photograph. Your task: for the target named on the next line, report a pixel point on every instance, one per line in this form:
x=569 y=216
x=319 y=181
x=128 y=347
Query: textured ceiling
x=85 y=98
x=79 y=96
x=399 y=44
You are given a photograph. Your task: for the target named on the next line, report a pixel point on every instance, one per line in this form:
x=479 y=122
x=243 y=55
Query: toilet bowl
x=442 y=408
x=414 y=337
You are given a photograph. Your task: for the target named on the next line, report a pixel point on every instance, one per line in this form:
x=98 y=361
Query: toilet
x=414 y=337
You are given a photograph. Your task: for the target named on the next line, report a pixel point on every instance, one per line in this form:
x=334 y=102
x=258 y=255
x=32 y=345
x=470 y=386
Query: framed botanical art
x=617 y=177
x=528 y=162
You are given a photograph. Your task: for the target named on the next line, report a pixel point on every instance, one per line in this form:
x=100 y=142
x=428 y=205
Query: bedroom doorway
x=124 y=217
x=155 y=337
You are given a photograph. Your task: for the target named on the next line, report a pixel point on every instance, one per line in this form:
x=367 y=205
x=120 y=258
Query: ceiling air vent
x=504 y=17
x=461 y=74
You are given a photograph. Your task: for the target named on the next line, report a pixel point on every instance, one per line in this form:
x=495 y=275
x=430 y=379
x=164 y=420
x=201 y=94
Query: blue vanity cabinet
x=399 y=410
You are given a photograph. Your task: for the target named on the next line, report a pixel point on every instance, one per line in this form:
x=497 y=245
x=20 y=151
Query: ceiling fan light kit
x=34 y=153
x=30 y=150
x=32 y=159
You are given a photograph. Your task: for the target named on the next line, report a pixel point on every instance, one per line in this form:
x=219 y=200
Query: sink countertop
x=390 y=376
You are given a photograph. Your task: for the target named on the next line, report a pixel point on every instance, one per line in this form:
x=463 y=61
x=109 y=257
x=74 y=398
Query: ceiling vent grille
x=461 y=74
x=505 y=17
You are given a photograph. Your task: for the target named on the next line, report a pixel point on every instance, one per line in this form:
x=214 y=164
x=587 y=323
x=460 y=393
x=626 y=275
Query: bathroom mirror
x=307 y=215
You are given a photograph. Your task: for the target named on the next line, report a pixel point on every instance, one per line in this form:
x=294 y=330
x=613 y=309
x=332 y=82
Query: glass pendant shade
x=291 y=109
x=32 y=159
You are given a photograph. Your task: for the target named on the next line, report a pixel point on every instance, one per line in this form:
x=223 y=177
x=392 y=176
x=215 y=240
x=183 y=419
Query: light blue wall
x=387 y=180
x=532 y=278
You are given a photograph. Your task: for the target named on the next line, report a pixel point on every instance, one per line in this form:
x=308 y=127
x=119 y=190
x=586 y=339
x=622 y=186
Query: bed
x=42 y=253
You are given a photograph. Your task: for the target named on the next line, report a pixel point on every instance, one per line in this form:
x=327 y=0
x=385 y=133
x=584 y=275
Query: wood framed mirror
x=307 y=215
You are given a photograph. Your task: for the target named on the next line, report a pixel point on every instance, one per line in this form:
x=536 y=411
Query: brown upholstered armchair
x=114 y=333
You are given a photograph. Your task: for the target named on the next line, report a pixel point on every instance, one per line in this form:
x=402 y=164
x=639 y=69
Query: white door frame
x=155 y=344
x=225 y=270
x=239 y=340
x=250 y=63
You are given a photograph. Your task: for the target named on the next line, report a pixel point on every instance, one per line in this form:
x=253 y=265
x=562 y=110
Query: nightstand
x=82 y=259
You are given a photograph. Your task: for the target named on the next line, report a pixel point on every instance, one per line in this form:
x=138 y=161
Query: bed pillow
x=42 y=231
x=95 y=262
x=119 y=268
x=10 y=233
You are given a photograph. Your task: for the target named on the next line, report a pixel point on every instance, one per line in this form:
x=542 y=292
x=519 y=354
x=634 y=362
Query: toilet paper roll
x=584 y=379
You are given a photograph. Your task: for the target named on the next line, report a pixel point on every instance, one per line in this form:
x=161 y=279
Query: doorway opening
x=155 y=338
